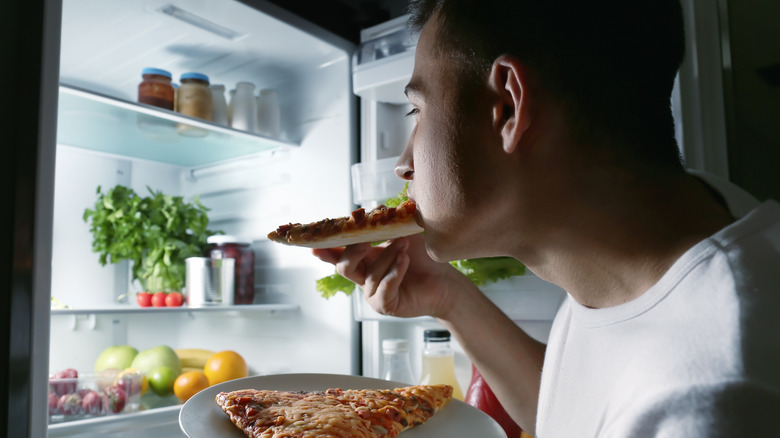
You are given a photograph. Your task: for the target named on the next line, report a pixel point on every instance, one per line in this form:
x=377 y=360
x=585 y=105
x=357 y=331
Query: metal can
x=209 y=281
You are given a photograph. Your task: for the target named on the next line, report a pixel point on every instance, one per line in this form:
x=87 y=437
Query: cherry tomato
x=144 y=299
x=174 y=299
x=158 y=299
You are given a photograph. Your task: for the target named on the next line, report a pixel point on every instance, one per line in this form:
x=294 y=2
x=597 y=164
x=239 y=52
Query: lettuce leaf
x=489 y=269
x=333 y=284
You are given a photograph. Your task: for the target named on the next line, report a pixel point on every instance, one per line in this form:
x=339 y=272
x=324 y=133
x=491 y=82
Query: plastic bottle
x=268 y=117
x=481 y=397
x=438 y=361
x=156 y=88
x=232 y=247
x=396 y=366
x=220 y=114
x=244 y=107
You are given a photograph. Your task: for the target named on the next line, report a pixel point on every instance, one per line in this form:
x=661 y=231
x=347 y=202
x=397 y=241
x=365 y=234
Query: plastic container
x=194 y=100
x=156 y=88
x=94 y=395
x=438 y=361
x=396 y=365
x=225 y=246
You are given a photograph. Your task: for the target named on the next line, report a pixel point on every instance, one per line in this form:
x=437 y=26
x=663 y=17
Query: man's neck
x=622 y=243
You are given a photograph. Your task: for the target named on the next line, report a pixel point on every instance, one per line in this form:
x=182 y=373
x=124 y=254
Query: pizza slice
x=333 y=413
x=380 y=224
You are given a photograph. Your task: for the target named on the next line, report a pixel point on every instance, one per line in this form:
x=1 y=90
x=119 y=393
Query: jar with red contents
x=156 y=88
x=223 y=247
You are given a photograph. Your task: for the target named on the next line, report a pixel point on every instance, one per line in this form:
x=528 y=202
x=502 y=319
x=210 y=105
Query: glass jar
x=194 y=100
x=438 y=361
x=156 y=88
x=223 y=247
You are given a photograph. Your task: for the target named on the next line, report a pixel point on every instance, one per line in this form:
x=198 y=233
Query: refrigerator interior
x=251 y=184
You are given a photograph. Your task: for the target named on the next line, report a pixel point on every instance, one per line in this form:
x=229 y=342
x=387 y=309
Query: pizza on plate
x=381 y=223
x=359 y=413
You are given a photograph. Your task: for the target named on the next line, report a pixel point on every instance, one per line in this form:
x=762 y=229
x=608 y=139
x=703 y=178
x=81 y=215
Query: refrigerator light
x=200 y=22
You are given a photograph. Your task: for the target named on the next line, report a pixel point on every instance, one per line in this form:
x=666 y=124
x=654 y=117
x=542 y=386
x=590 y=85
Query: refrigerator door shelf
x=384 y=80
x=106 y=124
x=374 y=182
x=523 y=298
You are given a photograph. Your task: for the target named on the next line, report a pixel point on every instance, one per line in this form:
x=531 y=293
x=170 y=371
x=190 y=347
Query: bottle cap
x=437 y=335
x=193 y=75
x=221 y=239
x=395 y=345
x=156 y=71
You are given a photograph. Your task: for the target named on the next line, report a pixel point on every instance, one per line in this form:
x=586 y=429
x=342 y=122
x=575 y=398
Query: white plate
x=201 y=417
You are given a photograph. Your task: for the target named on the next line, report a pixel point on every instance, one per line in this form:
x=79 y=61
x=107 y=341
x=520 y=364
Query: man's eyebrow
x=411 y=88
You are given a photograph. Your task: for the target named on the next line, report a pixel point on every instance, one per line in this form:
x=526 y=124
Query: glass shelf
x=119 y=309
x=116 y=423
x=102 y=123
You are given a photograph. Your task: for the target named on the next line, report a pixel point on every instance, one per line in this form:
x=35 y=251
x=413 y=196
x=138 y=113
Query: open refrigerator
x=341 y=107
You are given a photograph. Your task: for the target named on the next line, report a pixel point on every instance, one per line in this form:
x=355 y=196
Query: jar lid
x=436 y=335
x=395 y=345
x=221 y=239
x=194 y=75
x=156 y=71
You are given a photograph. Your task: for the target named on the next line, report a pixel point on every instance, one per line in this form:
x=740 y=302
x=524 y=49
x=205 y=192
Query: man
x=543 y=132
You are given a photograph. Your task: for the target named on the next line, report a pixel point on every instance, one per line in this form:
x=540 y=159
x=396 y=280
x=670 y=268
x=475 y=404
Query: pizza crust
x=382 y=223
x=379 y=233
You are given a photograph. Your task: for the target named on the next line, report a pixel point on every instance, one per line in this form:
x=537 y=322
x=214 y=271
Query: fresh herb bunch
x=480 y=271
x=157 y=233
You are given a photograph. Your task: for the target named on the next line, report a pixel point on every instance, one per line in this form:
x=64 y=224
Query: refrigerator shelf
x=168 y=415
x=102 y=123
x=270 y=309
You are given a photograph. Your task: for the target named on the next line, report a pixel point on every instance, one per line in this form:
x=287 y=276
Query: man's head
x=611 y=63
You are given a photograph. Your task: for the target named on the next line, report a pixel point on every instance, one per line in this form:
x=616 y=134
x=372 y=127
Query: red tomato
x=174 y=299
x=158 y=299
x=144 y=299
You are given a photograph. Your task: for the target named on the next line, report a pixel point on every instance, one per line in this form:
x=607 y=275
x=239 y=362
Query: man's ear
x=512 y=114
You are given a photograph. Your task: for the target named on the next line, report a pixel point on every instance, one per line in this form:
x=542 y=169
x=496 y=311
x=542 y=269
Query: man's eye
x=413 y=112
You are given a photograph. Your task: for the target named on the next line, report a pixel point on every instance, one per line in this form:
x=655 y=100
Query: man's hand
x=398 y=278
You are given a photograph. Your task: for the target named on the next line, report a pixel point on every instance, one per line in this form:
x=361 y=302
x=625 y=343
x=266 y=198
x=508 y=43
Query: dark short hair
x=612 y=63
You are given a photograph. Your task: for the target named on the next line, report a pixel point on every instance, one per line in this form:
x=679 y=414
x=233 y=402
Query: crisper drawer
x=522 y=298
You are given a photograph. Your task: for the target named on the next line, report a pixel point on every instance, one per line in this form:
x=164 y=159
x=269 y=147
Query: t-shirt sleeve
x=730 y=409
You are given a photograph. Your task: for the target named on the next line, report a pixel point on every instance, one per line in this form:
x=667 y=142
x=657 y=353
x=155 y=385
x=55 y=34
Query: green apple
x=116 y=357
x=161 y=380
x=160 y=356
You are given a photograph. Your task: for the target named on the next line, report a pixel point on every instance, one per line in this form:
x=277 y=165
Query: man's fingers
x=382 y=266
x=329 y=255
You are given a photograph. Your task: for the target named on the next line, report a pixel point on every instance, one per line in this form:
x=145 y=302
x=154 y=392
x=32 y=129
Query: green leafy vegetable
x=479 y=271
x=157 y=233
x=401 y=197
x=333 y=284
x=489 y=269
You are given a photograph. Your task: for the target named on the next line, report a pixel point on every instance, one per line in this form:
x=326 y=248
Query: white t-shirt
x=697 y=355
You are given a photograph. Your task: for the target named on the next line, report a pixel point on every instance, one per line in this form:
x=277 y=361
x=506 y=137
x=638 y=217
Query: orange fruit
x=224 y=366
x=189 y=384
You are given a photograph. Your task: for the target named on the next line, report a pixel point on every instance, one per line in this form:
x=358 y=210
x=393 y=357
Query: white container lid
x=221 y=239
x=395 y=345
